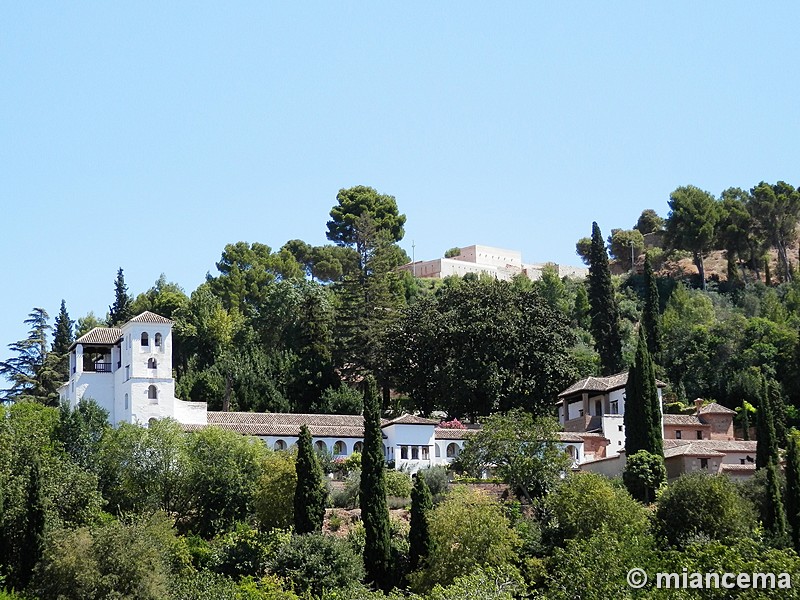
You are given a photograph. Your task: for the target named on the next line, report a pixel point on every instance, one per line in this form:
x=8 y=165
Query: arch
x=572 y=452
x=151 y=421
x=157 y=340
x=452 y=450
x=320 y=446
x=358 y=447
x=152 y=363
x=279 y=445
x=152 y=394
x=339 y=448
x=438 y=451
x=145 y=339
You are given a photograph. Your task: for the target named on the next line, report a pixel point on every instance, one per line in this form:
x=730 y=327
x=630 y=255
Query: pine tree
x=309 y=495
x=372 y=493
x=774 y=515
x=793 y=490
x=642 y=417
x=32 y=373
x=120 y=311
x=32 y=539
x=766 y=440
x=419 y=538
x=62 y=340
x=651 y=320
x=605 y=313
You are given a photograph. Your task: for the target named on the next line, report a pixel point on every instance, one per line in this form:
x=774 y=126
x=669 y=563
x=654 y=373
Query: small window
x=438 y=451
x=615 y=407
x=127 y=372
x=152 y=394
x=151 y=363
x=703 y=463
x=741 y=461
x=620 y=427
x=339 y=448
x=580 y=412
x=320 y=446
x=127 y=404
x=404 y=452
x=157 y=340
x=414 y=453
x=279 y=445
x=700 y=435
x=359 y=447
x=145 y=339
x=678 y=434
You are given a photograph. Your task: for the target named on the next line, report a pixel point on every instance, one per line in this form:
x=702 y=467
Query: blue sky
x=148 y=136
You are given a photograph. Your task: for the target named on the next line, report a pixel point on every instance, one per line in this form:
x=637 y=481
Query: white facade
x=128 y=372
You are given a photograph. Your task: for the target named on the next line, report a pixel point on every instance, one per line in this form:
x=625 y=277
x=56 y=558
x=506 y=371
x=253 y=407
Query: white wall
x=611 y=430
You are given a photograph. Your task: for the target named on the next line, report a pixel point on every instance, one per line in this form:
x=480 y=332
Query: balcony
x=97 y=367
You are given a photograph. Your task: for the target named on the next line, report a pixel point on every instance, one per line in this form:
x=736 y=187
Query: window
x=620 y=427
x=700 y=435
x=339 y=448
x=703 y=463
x=157 y=340
x=580 y=412
x=152 y=394
x=127 y=372
x=404 y=452
x=126 y=402
x=678 y=434
x=279 y=445
x=452 y=450
x=426 y=455
x=741 y=461
x=615 y=407
x=438 y=451
x=145 y=339
x=320 y=446
x=359 y=447
x=151 y=363
x=598 y=407
x=414 y=453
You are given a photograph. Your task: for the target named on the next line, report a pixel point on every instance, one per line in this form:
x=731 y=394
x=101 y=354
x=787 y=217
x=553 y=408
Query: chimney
x=698 y=404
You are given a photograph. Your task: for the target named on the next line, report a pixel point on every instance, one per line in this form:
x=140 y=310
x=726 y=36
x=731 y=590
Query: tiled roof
x=601 y=384
x=714 y=409
x=731 y=445
x=566 y=436
x=692 y=420
x=741 y=468
x=706 y=448
x=443 y=433
x=150 y=317
x=100 y=335
x=410 y=420
x=288 y=424
x=691 y=449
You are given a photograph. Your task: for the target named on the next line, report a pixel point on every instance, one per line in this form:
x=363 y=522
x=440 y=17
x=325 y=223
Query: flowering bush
x=454 y=424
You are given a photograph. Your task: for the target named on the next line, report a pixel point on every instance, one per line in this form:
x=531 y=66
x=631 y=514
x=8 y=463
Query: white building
x=499 y=263
x=128 y=371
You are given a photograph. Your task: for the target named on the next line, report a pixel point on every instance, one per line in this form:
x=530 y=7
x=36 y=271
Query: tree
x=651 y=317
x=642 y=417
x=692 y=223
x=121 y=311
x=773 y=512
x=275 y=490
x=644 y=474
x=767 y=442
x=522 y=449
x=605 y=314
x=309 y=495
x=32 y=540
x=355 y=202
x=86 y=324
x=793 y=489
x=776 y=210
x=81 y=430
x=649 y=222
x=372 y=493
x=626 y=245
x=419 y=538
x=62 y=340
x=583 y=248
x=32 y=373
x=452 y=252
x=702 y=505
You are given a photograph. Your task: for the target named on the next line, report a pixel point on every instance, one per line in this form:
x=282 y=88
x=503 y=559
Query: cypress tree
x=774 y=515
x=651 y=320
x=605 y=313
x=778 y=411
x=793 y=490
x=419 y=537
x=120 y=311
x=32 y=539
x=62 y=339
x=309 y=495
x=766 y=442
x=642 y=417
x=372 y=493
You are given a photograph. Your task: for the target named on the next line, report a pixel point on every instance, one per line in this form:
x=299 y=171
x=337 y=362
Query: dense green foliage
x=419 y=537
x=309 y=495
x=643 y=430
x=605 y=313
x=644 y=474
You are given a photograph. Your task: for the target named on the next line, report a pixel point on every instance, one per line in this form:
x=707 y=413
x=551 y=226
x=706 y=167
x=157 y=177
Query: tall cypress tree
x=778 y=407
x=766 y=440
x=793 y=490
x=419 y=538
x=372 y=493
x=605 y=313
x=62 y=339
x=651 y=320
x=774 y=514
x=120 y=311
x=310 y=494
x=32 y=540
x=642 y=417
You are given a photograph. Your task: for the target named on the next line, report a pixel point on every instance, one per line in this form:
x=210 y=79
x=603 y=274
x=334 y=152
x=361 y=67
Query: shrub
x=436 y=478
x=313 y=562
x=397 y=484
x=393 y=502
x=273 y=499
x=347 y=497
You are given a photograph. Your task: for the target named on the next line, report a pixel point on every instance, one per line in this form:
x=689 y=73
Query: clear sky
x=148 y=135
